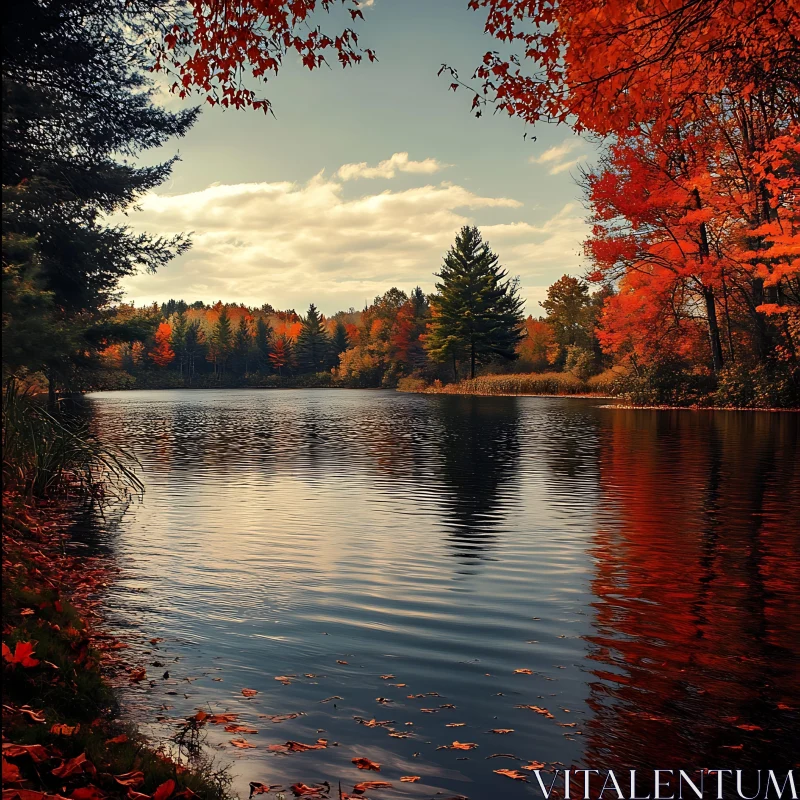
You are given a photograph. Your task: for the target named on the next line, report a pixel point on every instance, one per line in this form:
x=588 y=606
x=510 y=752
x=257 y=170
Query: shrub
x=668 y=382
x=758 y=386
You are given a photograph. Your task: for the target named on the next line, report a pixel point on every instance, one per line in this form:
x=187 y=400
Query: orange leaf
x=11 y=772
x=121 y=739
x=165 y=790
x=249 y=692
x=72 y=767
x=365 y=786
x=501 y=730
x=365 y=763
x=242 y=743
x=64 y=730
x=87 y=793
x=513 y=774
x=409 y=779
x=131 y=779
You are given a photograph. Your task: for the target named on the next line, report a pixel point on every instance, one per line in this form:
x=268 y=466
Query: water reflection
x=640 y=568
x=697 y=637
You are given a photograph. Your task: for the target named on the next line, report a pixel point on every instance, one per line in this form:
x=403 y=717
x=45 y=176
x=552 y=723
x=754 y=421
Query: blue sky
x=362 y=180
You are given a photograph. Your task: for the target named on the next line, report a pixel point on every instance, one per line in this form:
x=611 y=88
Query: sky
x=363 y=177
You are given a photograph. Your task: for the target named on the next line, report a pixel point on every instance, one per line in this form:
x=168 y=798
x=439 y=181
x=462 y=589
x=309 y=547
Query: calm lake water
x=633 y=574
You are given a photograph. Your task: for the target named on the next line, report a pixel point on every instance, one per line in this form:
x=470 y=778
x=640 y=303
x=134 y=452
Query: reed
x=47 y=454
x=541 y=383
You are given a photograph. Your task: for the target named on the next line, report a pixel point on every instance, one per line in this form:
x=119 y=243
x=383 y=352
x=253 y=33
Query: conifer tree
x=263 y=343
x=313 y=346
x=477 y=313
x=242 y=342
x=221 y=340
x=341 y=341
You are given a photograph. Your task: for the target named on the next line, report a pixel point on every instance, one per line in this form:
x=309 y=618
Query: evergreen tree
x=180 y=328
x=341 y=341
x=477 y=313
x=221 y=341
x=194 y=344
x=242 y=343
x=76 y=102
x=313 y=347
x=263 y=343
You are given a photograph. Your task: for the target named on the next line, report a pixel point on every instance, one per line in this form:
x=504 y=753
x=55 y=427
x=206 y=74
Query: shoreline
x=62 y=717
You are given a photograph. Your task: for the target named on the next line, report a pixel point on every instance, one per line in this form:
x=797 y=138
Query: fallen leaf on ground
x=22 y=655
x=64 y=730
x=409 y=779
x=37 y=752
x=26 y=612
x=365 y=763
x=131 y=779
x=72 y=766
x=87 y=793
x=242 y=743
x=165 y=790
x=121 y=739
x=749 y=727
x=513 y=774
x=35 y=716
x=11 y=773
x=249 y=692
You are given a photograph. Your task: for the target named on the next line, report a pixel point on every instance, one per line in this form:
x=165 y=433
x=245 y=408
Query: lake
x=616 y=588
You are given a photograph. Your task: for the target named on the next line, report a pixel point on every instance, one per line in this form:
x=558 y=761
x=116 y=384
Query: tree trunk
x=713 y=329
x=455 y=369
x=472 y=361
x=762 y=337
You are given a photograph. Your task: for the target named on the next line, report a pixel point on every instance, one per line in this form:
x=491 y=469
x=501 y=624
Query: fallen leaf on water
x=373 y=723
x=387 y=677
x=409 y=778
x=366 y=786
x=219 y=719
x=258 y=788
x=300 y=747
x=523 y=672
x=165 y=790
x=249 y=692
x=458 y=746
x=277 y=748
x=455 y=724
x=239 y=729
x=397 y=735
x=543 y=711
x=285 y=679
x=301 y=790
x=534 y=765
x=279 y=717
x=328 y=699
x=64 y=730
x=383 y=700
x=501 y=730
x=242 y=743
x=513 y=774
x=429 y=710
x=338 y=661
x=399 y=685
x=746 y=727
x=156 y=640
x=365 y=763
x=567 y=724
x=131 y=779
x=447 y=705
x=137 y=675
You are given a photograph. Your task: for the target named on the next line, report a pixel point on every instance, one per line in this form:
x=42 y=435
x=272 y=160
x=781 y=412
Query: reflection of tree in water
x=698 y=607
x=477 y=455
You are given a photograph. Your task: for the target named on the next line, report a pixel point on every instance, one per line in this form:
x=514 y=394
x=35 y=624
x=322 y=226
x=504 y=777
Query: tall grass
x=532 y=383
x=46 y=454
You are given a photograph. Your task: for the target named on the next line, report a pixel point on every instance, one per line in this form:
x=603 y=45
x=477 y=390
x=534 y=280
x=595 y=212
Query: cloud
x=289 y=244
x=399 y=162
x=556 y=156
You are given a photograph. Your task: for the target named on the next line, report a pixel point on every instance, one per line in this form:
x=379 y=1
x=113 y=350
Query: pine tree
x=195 y=345
x=477 y=313
x=263 y=342
x=76 y=102
x=242 y=342
x=313 y=346
x=221 y=341
x=180 y=328
x=341 y=341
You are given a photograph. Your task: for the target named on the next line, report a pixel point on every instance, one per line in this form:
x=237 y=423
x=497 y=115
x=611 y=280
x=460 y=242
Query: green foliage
x=667 y=382
x=476 y=314
x=579 y=361
x=758 y=386
x=313 y=348
x=263 y=344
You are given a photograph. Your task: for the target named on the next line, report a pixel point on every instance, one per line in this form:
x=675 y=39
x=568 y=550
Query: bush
x=608 y=381
x=758 y=386
x=668 y=382
x=412 y=383
x=580 y=362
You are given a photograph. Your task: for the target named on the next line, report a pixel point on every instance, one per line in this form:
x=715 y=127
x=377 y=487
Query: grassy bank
x=63 y=736
x=537 y=383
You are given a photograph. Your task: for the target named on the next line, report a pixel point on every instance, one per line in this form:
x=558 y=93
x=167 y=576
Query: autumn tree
x=312 y=349
x=476 y=314
x=162 y=353
x=281 y=354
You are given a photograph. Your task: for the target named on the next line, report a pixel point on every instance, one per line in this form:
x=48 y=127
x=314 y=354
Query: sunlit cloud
x=557 y=158
x=399 y=162
x=290 y=243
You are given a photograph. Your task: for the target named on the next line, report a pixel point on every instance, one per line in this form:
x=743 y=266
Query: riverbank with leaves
x=63 y=735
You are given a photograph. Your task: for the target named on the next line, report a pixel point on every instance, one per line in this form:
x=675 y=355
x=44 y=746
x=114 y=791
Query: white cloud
x=556 y=157
x=399 y=162
x=292 y=243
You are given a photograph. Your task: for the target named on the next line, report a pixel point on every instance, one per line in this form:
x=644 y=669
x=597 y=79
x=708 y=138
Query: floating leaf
x=533 y=765
x=409 y=779
x=501 y=731
x=242 y=743
x=249 y=692
x=366 y=786
x=523 y=672
x=513 y=774
x=543 y=711
x=365 y=763
x=239 y=729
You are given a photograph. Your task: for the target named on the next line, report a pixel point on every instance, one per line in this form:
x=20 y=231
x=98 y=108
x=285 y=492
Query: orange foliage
x=162 y=353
